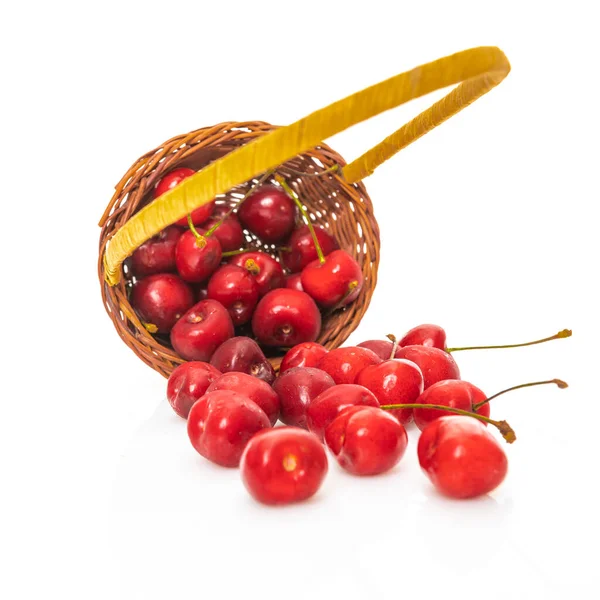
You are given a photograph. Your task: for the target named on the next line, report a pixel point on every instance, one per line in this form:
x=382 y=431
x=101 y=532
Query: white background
x=488 y=228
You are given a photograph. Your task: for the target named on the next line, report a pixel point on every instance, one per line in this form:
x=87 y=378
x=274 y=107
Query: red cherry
x=269 y=213
x=283 y=465
x=229 y=233
x=366 y=440
x=197 y=260
x=344 y=364
x=173 y=179
x=435 y=364
x=243 y=355
x=296 y=389
x=161 y=299
x=265 y=269
x=294 y=282
x=188 y=383
x=157 y=255
x=328 y=404
x=307 y=354
x=396 y=381
x=425 y=335
x=382 y=348
x=236 y=290
x=201 y=330
x=302 y=248
x=221 y=423
x=285 y=318
x=260 y=392
x=337 y=281
x=461 y=457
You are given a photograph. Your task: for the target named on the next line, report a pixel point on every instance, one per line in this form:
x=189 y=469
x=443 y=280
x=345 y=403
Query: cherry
x=188 y=383
x=366 y=440
x=221 y=423
x=461 y=457
x=296 y=389
x=157 y=255
x=283 y=465
x=229 y=232
x=160 y=300
x=335 y=281
x=265 y=269
x=285 y=318
x=260 y=392
x=307 y=354
x=197 y=258
x=344 y=364
x=236 y=290
x=435 y=364
x=394 y=381
x=243 y=355
x=201 y=330
x=173 y=179
x=294 y=282
x=269 y=213
x=382 y=348
x=328 y=404
x=302 y=247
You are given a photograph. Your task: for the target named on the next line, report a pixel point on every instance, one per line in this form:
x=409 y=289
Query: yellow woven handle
x=477 y=71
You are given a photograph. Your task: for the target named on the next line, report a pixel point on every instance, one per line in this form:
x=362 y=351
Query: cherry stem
x=251 y=266
x=200 y=239
x=559 y=382
x=281 y=181
x=503 y=427
x=251 y=189
x=565 y=333
x=351 y=287
x=234 y=252
x=394 y=341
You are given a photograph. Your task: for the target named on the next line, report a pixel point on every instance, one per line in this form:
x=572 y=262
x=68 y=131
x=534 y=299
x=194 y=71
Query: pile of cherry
x=199 y=284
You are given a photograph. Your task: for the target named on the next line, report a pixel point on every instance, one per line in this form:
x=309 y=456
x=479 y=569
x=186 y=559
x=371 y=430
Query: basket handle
x=477 y=71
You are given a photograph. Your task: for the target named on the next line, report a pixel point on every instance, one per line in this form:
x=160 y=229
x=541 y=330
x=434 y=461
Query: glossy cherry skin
x=285 y=318
x=344 y=364
x=260 y=392
x=264 y=268
x=461 y=457
x=303 y=250
x=269 y=213
x=161 y=300
x=157 y=255
x=296 y=389
x=307 y=354
x=396 y=381
x=435 y=364
x=173 y=179
x=382 y=348
x=283 y=465
x=243 y=355
x=197 y=263
x=229 y=233
x=331 y=283
x=221 y=423
x=425 y=335
x=236 y=290
x=454 y=393
x=366 y=440
x=328 y=404
x=188 y=383
x=201 y=330
x=294 y=282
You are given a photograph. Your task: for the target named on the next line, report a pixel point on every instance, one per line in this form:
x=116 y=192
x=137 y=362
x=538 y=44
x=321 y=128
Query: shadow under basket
x=344 y=209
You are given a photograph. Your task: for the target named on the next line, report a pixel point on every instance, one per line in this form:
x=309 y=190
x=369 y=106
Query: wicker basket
x=230 y=156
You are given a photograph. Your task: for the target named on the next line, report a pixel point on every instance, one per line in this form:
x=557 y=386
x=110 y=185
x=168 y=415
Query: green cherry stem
x=559 y=382
x=288 y=190
x=565 y=333
x=234 y=252
x=200 y=239
x=503 y=427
